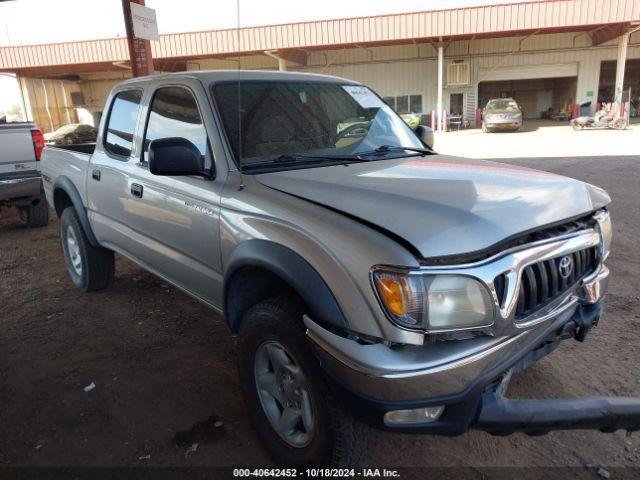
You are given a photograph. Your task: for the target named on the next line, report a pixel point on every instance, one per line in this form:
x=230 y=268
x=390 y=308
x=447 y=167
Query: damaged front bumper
x=500 y=415
x=469 y=378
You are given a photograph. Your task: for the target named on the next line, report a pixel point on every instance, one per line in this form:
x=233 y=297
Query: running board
x=502 y=416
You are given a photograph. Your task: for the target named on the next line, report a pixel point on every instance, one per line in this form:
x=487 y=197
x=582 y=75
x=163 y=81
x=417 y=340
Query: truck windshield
x=292 y=121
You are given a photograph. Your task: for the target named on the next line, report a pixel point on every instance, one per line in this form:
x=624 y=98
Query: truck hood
x=443 y=205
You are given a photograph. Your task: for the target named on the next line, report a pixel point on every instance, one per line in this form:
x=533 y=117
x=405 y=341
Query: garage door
x=525 y=72
x=534 y=95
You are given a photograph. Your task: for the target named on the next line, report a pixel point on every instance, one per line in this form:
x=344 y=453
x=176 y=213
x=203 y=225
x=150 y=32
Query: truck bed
x=70 y=161
x=86 y=148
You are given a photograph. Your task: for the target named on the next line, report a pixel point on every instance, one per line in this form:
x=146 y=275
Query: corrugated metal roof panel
x=482 y=20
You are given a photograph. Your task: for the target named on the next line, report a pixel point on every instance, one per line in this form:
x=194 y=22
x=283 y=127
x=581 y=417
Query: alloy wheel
x=73 y=251
x=284 y=394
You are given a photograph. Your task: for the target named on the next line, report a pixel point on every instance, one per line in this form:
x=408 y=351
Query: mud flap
x=499 y=415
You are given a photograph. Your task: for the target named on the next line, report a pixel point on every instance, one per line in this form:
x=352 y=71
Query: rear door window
x=121 y=124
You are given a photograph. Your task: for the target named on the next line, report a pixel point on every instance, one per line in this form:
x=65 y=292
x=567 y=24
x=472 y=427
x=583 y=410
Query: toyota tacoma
x=371 y=281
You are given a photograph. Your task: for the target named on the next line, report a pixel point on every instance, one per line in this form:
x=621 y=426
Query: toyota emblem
x=565 y=267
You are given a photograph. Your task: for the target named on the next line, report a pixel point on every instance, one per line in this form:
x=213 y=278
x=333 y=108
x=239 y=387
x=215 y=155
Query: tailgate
x=16 y=149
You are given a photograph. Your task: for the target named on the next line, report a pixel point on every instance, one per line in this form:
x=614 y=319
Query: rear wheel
x=297 y=418
x=576 y=126
x=90 y=268
x=36 y=215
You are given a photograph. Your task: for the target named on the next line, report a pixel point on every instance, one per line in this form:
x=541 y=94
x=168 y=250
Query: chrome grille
x=543 y=282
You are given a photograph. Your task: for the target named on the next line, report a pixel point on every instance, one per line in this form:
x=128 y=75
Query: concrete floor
x=540 y=138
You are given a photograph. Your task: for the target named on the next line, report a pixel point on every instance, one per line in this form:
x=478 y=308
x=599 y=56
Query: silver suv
x=501 y=114
x=370 y=280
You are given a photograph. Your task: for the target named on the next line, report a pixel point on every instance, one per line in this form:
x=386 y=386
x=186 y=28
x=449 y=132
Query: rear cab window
x=122 y=121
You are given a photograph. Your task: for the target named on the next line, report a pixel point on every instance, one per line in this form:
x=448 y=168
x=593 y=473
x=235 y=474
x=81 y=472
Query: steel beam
x=139 y=49
x=440 y=81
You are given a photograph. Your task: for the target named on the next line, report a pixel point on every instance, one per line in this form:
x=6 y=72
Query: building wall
x=96 y=87
x=50 y=102
x=412 y=69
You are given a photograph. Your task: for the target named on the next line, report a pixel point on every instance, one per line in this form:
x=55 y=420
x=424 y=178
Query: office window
x=405 y=103
x=402 y=104
x=415 y=104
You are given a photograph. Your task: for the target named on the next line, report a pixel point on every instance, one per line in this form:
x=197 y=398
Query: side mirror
x=176 y=156
x=425 y=134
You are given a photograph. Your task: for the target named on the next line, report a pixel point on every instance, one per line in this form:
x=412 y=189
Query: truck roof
x=211 y=76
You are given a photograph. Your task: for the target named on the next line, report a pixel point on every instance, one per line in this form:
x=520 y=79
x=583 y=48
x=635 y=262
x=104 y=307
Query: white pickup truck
x=20 y=183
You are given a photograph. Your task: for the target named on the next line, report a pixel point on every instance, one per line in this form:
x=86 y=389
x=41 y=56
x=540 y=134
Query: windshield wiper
x=392 y=148
x=288 y=160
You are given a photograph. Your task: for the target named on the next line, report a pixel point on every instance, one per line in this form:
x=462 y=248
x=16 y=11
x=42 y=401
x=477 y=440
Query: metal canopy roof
x=605 y=18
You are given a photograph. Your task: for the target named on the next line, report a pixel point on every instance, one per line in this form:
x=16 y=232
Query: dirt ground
x=163 y=364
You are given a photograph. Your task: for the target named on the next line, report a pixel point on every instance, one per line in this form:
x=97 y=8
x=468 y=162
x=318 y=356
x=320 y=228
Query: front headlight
x=433 y=303
x=606 y=232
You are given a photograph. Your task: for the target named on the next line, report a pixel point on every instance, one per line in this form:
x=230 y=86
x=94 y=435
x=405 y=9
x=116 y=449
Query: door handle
x=96 y=174
x=136 y=190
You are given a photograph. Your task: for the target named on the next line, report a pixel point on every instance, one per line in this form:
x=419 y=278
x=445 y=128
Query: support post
x=139 y=49
x=440 y=73
x=621 y=60
x=287 y=57
x=27 y=113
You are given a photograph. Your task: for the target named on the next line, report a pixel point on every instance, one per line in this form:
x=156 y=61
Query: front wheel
x=90 y=268
x=295 y=415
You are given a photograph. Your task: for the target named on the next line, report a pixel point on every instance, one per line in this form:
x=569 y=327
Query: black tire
x=37 y=215
x=338 y=439
x=97 y=264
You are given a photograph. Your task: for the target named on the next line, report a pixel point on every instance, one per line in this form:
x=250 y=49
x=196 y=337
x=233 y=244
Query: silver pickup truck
x=369 y=279
x=21 y=145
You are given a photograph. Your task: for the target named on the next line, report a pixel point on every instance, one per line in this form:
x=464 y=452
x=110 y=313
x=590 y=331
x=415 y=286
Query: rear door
x=108 y=173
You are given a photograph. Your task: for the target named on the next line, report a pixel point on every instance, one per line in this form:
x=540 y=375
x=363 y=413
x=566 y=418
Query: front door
x=456 y=106
x=177 y=217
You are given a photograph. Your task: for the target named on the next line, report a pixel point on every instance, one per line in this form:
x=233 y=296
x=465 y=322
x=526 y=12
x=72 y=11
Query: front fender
x=292 y=269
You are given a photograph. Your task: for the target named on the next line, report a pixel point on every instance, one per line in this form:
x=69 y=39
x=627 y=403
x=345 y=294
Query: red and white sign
x=144 y=22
